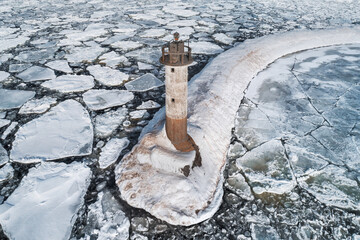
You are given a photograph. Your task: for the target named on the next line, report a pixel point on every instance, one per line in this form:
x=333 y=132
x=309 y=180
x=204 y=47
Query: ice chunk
x=126 y=45
x=106 y=219
x=112 y=59
x=64 y=131
x=237 y=184
x=14 y=98
x=137 y=114
x=4 y=158
x=111 y=151
x=108 y=76
x=37 y=105
x=236 y=150
x=55 y=192
x=36 y=73
x=148 y=55
x=180 y=11
x=144 y=66
x=334 y=186
x=267 y=169
x=102 y=99
x=3 y=75
x=60 y=65
x=4 y=122
x=36 y=55
x=70 y=83
x=222 y=38
x=182 y=23
x=125 y=27
x=9 y=130
x=107 y=123
x=5 y=57
x=15 y=68
x=205 y=48
x=6 y=172
x=148 y=105
x=153 y=33
x=144 y=83
x=84 y=54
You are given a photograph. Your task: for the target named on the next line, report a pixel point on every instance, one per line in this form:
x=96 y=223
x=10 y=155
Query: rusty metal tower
x=177 y=57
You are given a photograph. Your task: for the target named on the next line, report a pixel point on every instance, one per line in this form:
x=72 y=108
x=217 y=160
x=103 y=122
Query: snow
x=148 y=105
x=111 y=151
x=10 y=99
x=106 y=219
x=102 y=99
x=3 y=76
x=70 y=83
x=107 y=123
x=36 y=73
x=6 y=172
x=64 y=131
x=60 y=65
x=144 y=83
x=108 y=76
x=37 y=105
x=55 y=192
x=4 y=158
x=214 y=95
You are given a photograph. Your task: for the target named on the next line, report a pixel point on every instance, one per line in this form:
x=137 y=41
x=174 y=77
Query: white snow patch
x=102 y=99
x=111 y=151
x=108 y=76
x=64 y=131
x=46 y=202
x=70 y=83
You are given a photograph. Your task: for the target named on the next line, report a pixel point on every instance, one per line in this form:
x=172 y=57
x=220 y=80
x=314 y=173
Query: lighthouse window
x=172 y=100
x=172 y=69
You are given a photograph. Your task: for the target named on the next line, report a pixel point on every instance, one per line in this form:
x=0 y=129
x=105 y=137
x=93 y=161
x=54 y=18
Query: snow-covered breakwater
x=214 y=97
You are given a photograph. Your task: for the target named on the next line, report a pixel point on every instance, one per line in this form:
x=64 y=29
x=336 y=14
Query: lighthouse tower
x=177 y=57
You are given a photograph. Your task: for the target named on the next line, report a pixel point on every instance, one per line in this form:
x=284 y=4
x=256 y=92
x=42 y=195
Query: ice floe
x=111 y=151
x=55 y=192
x=108 y=76
x=64 y=131
x=149 y=105
x=138 y=114
x=9 y=130
x=4 y=122
x=60 y=65
x=222 y=38
x=6 y=44
x=144 y=83
x=102 y=99
x=145 y=66
x=14 y=98
x=205 y=48
x=36 y=73
x=84 y=54
x=6 y=172
x=112 y=59
x=107 y=123
x=70 y=83
x=126 y=45
x=37 y=105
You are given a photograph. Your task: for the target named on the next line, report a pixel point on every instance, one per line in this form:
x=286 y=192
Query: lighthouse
x=177 y=57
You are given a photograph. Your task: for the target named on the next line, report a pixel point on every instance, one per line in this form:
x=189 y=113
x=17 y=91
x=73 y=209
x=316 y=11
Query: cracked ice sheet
x=267 y=168
x=46 y=202
x=64 y=131
x=107 y=123
x=334 y=186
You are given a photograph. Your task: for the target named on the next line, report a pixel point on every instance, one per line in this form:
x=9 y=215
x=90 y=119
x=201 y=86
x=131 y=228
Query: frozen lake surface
x=79 y=78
